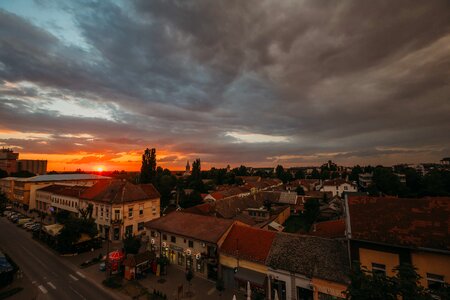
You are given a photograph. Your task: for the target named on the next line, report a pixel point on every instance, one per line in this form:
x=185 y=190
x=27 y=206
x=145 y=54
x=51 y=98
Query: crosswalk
x=45 y=287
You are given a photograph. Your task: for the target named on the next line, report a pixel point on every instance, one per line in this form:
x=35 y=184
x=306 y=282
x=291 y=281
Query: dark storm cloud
x=338 y=79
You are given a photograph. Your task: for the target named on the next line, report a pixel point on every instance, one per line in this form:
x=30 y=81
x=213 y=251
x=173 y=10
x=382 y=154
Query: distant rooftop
x=62 y=177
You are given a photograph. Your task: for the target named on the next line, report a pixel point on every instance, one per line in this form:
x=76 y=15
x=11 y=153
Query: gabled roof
x=150 y=190
x=115 y=191
x=408 y=222
x=64 y=190
x=199 y=227
x=310 y=256
x=248 y=243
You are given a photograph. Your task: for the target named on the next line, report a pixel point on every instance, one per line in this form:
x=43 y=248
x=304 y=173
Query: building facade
x=189 y=241
x=121 y=208
x=411 y=231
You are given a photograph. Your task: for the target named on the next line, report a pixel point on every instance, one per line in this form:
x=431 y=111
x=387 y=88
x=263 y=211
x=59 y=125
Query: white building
x=365 y=179
x=338 y=187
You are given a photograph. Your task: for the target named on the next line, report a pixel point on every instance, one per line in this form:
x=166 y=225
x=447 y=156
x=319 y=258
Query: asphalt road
x=54 y=278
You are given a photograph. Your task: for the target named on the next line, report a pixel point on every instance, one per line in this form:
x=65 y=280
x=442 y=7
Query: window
x=140 y=226
x=164 y=236
x=435 y=282
x=107 y=213
x=153 y=234
x=200 y=265
x=117 y=214
x=141 y=210
x=96 y=211
x=191 y=244
x=101 y=212
x=173 y=239
x=378 y=269
x=129 y=230
x=130 y=212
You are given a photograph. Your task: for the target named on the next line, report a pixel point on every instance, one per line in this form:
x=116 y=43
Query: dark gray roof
x=310 y=256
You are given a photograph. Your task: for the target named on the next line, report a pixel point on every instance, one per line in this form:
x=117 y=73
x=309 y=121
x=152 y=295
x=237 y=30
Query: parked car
x=102 y=266
x=12 y=215
x=6 y=213
x=22 y=221
x=16 y=218
x=35 y=227
x=29 y=225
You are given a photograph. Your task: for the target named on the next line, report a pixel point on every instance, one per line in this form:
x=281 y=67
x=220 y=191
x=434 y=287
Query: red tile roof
x=329 y=229
x=415 y=223
x=199 y=227
x=248 y=243
x=150 y=190
x=115 y=191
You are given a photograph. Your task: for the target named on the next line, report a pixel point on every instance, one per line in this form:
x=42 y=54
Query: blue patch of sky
x=49 y=17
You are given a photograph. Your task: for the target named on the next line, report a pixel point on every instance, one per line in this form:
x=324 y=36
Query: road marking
x=211 y=291
x=77 y=293
x=81 y=274
x=73 y=277
x=43 y=289
x=52 y=285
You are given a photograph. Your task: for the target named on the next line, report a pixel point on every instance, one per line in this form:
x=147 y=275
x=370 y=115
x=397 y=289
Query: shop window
x=180 y=259
x=173 y=239
x=378 y=269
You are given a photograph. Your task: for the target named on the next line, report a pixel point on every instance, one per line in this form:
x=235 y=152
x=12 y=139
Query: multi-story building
x=120 y=207
x=189 y=241
x=385 y=232
x=8 y=160
x=38 y=167
x=55 y=198
x=23 y=192
x=338 y=187
x=365 y=179
x=308 y=267
x=243 y=256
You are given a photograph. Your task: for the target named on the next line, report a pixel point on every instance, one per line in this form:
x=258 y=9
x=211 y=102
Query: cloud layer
x=304 y=81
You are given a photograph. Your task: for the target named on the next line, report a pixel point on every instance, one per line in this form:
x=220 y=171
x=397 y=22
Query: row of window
x=65 y=202
x=173 y=239
x=117 y=212
x=434 y=281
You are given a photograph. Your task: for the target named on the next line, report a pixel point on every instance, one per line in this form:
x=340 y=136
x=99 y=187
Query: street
x=53 y=277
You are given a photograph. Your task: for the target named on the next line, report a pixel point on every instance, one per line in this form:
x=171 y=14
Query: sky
x=86 y=84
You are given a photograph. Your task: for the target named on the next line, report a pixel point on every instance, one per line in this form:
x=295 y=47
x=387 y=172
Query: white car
x=29 y=224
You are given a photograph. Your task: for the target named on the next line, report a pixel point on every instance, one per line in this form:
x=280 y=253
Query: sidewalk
x=200 y=288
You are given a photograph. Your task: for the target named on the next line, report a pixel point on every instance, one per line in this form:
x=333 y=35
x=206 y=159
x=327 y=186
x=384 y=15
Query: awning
x=250 y=275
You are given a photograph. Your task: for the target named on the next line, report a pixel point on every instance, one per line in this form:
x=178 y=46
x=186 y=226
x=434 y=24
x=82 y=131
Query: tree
x=300 y=191
x=62 y=216
x=131 y=244
x=354 y=175
x=311 y=212
x=279 y=172
x=405 y=284
x=3 y=201
x=196 y=174
x=300 y=174
x=315 y=174
x=148 y=168
x=86 y=213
